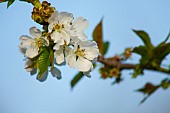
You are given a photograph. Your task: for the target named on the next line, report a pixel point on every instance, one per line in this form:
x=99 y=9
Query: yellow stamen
x=80 y=53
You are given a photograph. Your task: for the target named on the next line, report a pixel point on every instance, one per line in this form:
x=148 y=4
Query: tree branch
x=118 y=64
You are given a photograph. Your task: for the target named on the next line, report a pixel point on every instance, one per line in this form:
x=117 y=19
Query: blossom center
x=80 y=52
x=58 y=27
x=37 y=43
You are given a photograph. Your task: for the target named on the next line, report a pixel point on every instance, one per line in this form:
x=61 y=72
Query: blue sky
x=22 y=93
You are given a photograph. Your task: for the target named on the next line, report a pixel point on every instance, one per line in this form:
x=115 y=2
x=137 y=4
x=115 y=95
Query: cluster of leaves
x=151 y=56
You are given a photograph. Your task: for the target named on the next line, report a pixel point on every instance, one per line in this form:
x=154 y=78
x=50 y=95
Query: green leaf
x=166 y=39
x=137 y=71
x=161 y=52
x=76 y=79
x=148 y=89
x=165 y=83
x=43 y=61
x=98 y=37
x=106 y=46
x=145 y=38
x=141 y=50
x=10 y=2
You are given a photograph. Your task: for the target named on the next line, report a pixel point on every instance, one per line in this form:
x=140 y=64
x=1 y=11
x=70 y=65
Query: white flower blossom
x=78 y=27
x=82 y=55
x=29 y=46
x=59 y=25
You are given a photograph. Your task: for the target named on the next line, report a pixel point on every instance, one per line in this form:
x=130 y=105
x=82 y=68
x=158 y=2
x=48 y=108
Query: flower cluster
x=63 y=42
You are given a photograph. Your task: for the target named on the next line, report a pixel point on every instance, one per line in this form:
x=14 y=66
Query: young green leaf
x=10 y=2
x=144 y=37
x=165 y=83
x=161 y=52
x=148 y=89
x=43 y=61
x=166 y=39
x=106 y=46
x=76 y=79
x=141 y=50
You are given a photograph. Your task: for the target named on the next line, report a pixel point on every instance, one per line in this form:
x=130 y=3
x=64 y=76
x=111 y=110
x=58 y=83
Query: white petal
x=36 y=33
x=78 y=27
x=91 y=53
x=34 y=71
x=71 y=60
x=56 y=73
x=31 y=53
x=50 y=27
x=79 y=34
x=65 y=36
x=53 y=18
x=68 y=50
x=58 y=44
x=87 y=74
x=74 y=39
x=27 y=64
x=75 y=47
x=59 y=55
x=94 y=60
x=22 y=50
x=80 y=23
x=56 y=36
x=45 y=41
x=56 y=47
x=65 y=17
x=83 y=64
x=43 y=76
x=87 y=44
x=62 y=64
x=26 y=41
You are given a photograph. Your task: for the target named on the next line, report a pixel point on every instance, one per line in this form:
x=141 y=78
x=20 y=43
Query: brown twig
x=122 y=66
